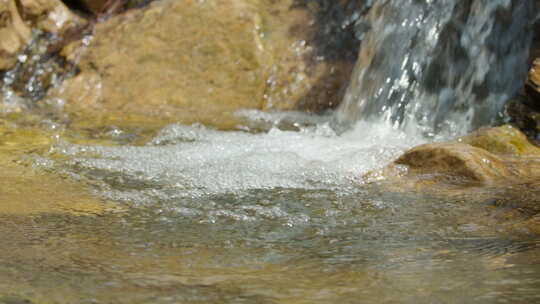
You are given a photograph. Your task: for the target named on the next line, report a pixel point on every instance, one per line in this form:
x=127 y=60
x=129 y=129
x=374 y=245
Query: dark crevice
x=335 y=38
x=336 y=31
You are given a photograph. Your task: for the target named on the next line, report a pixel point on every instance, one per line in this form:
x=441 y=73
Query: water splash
x=36 y=71
x=439 y=66
x=190 y=161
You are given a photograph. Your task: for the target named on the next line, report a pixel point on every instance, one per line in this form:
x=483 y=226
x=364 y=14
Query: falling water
x=439 y=66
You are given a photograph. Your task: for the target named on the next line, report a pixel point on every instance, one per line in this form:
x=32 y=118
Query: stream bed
x=276 y=213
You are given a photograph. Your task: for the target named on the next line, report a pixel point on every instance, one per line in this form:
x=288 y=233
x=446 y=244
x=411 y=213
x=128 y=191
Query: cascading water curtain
x=439 y=67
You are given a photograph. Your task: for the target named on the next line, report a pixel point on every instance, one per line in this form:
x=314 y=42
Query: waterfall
x=437 y=67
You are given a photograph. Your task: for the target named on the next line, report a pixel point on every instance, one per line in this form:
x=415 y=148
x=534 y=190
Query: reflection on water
x=205 y=220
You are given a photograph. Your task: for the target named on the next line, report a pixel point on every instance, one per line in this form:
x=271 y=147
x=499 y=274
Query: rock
x=17 y=22
x=335 y=38
x=198 y=61
x=456 y=160
x=51 y=16
x=14 y=33
x=524 y=116
x=524 y=110
x=492 y=167
x=499 y=155
x=504 y=140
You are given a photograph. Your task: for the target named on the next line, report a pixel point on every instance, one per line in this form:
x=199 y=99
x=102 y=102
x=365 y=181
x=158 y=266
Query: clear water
x=440 y=67
x=275 y=216
x=294 y=246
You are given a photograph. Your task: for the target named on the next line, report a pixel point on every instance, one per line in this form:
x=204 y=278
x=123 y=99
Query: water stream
x=439 y=66
x=277 y=212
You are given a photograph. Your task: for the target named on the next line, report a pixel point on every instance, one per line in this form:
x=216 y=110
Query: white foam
x=194 y=160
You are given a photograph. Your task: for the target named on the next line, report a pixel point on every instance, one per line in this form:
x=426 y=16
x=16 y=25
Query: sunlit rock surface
x=194 y=61
x=504 y=140
x=454 y=159
x=501 y=155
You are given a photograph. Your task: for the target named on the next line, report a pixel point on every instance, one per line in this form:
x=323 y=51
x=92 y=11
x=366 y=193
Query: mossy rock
x=504 y=140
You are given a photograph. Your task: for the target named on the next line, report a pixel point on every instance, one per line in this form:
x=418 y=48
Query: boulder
x=492 y=167
x=488 y=156
x=194 y=61
x=454 y=160
x=505 y=140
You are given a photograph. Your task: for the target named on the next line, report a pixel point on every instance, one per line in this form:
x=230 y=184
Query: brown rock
x=48 y=15
x=500 y=155
x=194 y=61
x=16 y=23
x=504 y=140
x=455 y=159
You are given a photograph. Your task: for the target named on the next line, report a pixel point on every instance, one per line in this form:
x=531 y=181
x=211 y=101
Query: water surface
x=272 y=214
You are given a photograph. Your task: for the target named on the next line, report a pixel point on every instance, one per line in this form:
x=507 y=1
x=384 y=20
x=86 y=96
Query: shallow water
x=272 y=214
x=272 y=246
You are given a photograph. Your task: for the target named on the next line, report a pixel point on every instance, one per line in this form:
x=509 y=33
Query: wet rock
x=524 y=116
x=524 y=110
x=501 y=155
x=454 y=159
x=19 y=18
x=495 y=167
x=505 y=140
x=335 y=37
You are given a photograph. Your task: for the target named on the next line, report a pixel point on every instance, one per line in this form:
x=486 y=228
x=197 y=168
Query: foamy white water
x=194 y=160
